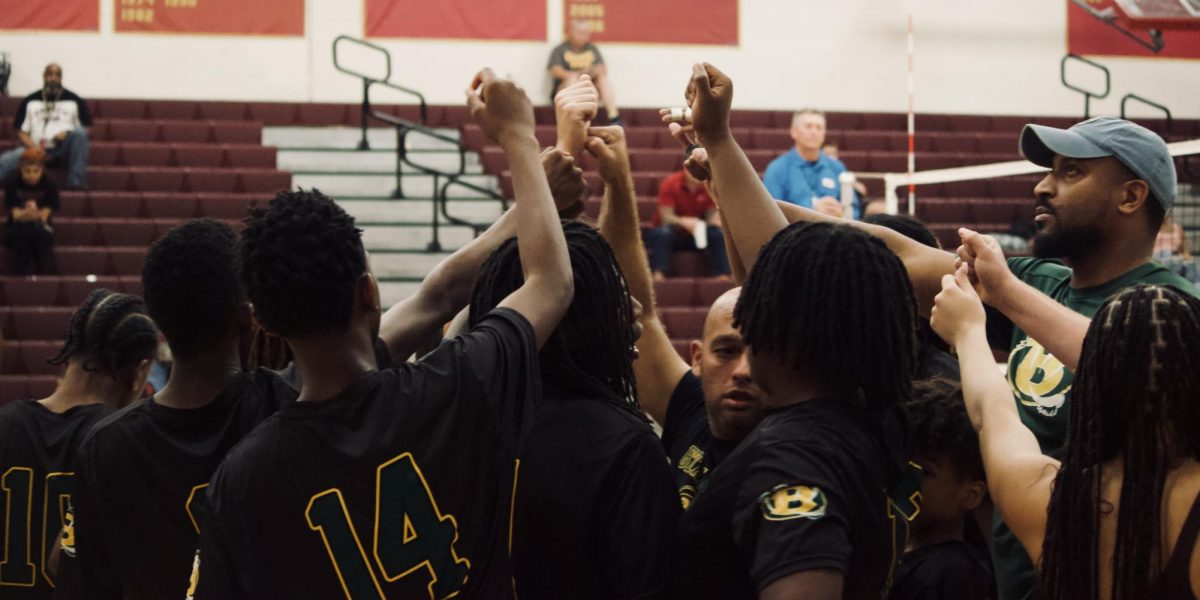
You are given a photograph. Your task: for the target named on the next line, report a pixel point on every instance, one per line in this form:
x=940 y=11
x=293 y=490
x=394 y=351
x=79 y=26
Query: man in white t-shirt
x=56 y=120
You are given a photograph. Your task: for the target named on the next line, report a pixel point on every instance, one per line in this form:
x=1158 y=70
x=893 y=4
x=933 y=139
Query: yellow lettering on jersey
x=68 y=534
x=692 y=462
x=579 y=61
x=1039 y=380
x=195 y=578
x=410 y=533
x=784 y=503
x=191 y=498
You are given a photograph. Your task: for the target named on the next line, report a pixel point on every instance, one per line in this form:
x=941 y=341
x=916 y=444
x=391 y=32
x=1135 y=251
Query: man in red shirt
x=684 y=206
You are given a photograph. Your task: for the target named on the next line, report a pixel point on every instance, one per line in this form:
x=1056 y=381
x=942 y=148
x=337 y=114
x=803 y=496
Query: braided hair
x=301 y=259
x=109 y=333
x=590 y=352
x=829 y=298
x=1134 y=397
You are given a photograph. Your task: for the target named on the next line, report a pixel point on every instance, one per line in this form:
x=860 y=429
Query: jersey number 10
x=410 y=535
x=17 y=568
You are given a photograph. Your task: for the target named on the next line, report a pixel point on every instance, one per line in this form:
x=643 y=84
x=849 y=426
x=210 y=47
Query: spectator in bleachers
x=1171 y=241
x=684 y=205
x=578 y=56
x=54 y=119
x=805 y=175
x=30 y=201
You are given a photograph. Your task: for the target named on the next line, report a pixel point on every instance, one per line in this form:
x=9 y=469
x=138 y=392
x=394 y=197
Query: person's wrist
x=516 y=137
x=715 y=136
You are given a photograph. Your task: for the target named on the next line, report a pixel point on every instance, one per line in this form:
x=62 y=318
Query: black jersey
x=595 y=507
x=140 y=492
x=810 y=488
x=689 y=443
x=953 y=570
x=399 y=487
x=37 y=477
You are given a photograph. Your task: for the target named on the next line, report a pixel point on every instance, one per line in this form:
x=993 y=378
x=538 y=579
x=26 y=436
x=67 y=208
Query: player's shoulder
x=70 y=95
x=118 y=422
x=251 y=459
x=34 y=96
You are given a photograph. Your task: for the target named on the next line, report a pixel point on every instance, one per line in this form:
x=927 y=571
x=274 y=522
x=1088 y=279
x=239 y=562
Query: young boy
x=938 y=561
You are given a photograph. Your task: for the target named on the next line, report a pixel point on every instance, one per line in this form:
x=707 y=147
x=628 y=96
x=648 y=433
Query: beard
x=1067 y=242
x=52 y=88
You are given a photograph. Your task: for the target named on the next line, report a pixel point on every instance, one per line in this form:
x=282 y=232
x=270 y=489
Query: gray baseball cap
x=1142 y=150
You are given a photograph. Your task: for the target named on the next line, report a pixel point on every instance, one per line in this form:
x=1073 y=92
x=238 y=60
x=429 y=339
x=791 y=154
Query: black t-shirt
x=37 y=463
x=17 y=193
x=810 y=488
x=951 y=570
x=140 y=495
x=595 y=505
x=400 y=486
x=689 y=443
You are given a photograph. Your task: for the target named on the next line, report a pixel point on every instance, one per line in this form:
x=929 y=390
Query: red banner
x=457 y=19
x=1088 y=35
x=60 y=15
x=231 y=17
x=712 y=22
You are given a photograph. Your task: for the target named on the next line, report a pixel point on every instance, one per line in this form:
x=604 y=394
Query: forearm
x=736 y=267
x=25 y=139
x=988 y=399
x=1057 y=328
x=748 y=209
x=620 y=225
x=539 y=232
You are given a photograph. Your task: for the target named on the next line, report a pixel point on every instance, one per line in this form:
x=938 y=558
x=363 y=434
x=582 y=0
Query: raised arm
x=506 y=116
x=1019 y=476
x=1057 y=328
x=447 y=288
x=574 y=108
x=658 y=367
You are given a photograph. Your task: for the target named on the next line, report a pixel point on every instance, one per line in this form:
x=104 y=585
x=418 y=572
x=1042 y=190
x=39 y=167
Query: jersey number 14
x=410 y=535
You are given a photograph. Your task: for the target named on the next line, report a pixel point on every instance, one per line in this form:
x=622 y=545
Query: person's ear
x=1134 y=195
x=697 y=352
x=367 y=293
x=976 y=491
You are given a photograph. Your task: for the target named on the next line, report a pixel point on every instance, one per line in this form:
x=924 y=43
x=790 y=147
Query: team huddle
x=493 y=435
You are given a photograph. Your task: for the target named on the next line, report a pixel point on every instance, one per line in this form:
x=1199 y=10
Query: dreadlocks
x=1133 y=397
x=110 y=333
x=830 y=299
x=590 y=350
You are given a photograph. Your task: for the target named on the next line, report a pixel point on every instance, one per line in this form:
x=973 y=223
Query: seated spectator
x=1171 y=241
x=684 y=205
x=53 y=119
x=577 y=56
x=30 y=201
x=939 y=563
x=805 y=175
x=831 y=150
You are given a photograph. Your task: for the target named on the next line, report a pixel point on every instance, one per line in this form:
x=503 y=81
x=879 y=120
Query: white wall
x=974 y=56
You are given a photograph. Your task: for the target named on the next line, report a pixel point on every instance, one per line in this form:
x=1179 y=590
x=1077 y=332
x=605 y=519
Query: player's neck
x=198 y=380
x=328 y=364
x=1119 y=257
x=77 y=388
x=946 y=531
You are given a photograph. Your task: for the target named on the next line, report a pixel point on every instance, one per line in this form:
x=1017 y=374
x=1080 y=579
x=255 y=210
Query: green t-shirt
x=1042 y=385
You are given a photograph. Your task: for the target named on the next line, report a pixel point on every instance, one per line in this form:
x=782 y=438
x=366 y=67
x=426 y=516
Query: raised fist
x=500 y=107
x=566 y=182
x=710 y=96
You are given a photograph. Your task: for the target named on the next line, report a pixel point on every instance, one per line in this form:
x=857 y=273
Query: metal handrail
x=1087 y=94
x=1150 y=103
x=442 y=179
x=369 y=81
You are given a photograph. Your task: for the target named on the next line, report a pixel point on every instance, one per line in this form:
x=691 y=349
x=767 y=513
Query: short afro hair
x=941 y=427
x=301 y=258
x=191 y=285
x=907 y=226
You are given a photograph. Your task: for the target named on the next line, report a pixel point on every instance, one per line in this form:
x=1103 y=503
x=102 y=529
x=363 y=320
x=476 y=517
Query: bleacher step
x=412 y=265
x=348 y=138
x=381 y=185
x=378 y=161
x=412 y=236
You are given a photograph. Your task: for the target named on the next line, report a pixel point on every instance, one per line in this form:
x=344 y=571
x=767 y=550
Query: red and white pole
x=912 y=147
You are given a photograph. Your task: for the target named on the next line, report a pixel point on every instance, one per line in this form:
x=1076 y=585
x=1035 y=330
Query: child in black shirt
x=938 y=562
x=30 y=199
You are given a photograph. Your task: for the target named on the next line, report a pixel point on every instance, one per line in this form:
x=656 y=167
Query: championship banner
x=1087 y=35
x=228 y=17
x=457 y=19
x=713 y=22
x=60 y=15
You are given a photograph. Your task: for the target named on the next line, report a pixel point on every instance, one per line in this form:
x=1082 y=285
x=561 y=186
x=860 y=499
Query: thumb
x=963 y=279
x=948 y=282
x=596 y=147
x=474 y=104
x=700 y=78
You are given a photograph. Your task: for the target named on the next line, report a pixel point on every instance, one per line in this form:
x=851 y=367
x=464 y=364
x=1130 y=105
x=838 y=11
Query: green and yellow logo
x=68 y=532
x=1039 y=380
x=786 y=502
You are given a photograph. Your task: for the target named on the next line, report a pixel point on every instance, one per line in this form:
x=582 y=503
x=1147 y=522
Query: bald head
x=720 y=314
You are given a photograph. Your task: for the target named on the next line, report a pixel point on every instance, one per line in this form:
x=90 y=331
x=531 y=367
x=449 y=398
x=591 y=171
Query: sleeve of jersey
x=84 y=569
x=501 y=352
x=213 y=575
x=639 y=522
x=791 y=516
x=20 y=117
x=556 y=57
x=85 y=113
x=599 y=57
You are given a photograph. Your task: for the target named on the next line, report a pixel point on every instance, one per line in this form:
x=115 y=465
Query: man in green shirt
x=1099 y=209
